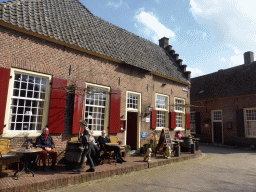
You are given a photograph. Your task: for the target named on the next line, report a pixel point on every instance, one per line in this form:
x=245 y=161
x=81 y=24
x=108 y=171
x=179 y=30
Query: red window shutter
x=114 y=118
x=4 y=83
x=153 y=119
x=57 y=106
x=78 y=107
x=172 y=120
x=188 y=121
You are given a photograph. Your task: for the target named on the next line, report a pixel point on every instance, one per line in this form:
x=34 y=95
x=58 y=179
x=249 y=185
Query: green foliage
x=128 y=147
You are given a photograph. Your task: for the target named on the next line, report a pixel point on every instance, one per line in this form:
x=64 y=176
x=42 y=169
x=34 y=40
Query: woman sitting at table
x=103 y=140
x=179 y=134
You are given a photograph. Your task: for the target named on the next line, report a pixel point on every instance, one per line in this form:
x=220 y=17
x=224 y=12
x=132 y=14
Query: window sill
x=21 y=134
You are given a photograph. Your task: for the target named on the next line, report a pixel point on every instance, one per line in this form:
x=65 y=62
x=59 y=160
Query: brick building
x=225 y=103
x=60 y=63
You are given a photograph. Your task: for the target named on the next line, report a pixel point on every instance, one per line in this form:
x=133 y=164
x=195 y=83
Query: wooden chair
x=48 y=159
x=5 y=157
x=114 y=139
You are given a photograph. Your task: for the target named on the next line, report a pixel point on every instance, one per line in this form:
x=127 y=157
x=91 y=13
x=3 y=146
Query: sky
x=208 y=35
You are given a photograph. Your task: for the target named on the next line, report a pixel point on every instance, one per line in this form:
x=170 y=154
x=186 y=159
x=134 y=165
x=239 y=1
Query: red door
x=131 y=135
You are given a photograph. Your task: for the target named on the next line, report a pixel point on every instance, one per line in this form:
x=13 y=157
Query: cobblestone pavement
x=219 y=169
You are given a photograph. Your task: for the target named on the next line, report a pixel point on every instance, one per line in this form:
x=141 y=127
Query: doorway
x=217 y=126
x=217 y=132
x=131 y=134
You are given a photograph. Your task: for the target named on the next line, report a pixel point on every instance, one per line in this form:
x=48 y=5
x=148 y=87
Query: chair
x=7 y=158
x=114 y=139
x=48 y=158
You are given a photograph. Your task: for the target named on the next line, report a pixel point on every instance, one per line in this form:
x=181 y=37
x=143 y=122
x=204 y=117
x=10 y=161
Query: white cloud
x=236 y=60
x=117 y=4
x=150 y=27
x=231 y=21
x=222 y=59
x=195 y=72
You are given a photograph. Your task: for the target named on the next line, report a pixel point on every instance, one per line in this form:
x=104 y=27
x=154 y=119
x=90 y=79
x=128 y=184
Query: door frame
x=138 y=111
x=220 y=121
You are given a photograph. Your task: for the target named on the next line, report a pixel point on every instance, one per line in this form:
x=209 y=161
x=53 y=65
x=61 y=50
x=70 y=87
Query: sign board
x=148 y=120
x=165 y=138
x=144 y=134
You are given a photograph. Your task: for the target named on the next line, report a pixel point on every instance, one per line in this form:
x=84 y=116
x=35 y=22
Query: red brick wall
x=31 y=53
x=228 y=107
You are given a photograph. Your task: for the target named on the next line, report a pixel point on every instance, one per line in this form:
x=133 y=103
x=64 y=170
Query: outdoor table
x=25 y=160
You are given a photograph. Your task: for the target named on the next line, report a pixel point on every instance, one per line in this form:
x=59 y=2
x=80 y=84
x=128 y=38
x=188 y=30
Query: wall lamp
x=150 y=107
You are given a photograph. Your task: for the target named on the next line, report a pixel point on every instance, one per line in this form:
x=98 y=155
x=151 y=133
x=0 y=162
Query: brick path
x=63 y=177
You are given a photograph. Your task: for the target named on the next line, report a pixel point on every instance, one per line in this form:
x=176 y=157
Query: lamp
x=150 y=107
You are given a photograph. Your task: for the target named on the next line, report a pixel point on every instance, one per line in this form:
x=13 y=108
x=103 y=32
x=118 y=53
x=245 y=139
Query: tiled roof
x=71 y=22
x=232 y=82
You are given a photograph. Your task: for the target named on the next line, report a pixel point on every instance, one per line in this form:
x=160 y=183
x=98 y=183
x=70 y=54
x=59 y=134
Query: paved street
x=219 y=169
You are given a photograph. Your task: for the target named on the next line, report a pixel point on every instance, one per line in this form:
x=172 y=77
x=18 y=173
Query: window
x=28 y=101
x=250 y=122
x=217 y=116
x=95 y=107
x=193 y=122
x=132 y=101
x=162 y=110
x=180 y=113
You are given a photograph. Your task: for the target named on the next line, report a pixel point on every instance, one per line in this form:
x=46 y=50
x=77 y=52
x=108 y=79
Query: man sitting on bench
x=103 y=140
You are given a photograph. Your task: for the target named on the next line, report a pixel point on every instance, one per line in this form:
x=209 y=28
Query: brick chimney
x=248 y=57
x=164 y=42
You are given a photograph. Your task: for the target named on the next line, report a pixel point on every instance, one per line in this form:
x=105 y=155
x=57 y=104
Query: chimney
x=248 y=57
x=176 y=57
x=172 y=53
x=183 y=68
x=164 y=42
x=168 y=48
x=187 y=74
x=179 y=62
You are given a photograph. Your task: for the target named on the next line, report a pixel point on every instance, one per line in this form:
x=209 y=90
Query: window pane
x=23 y=110
x=161 y=102
x=193 y=123
x=250 y=123
x=132 y=101
x=95 y=107
x=161 y=116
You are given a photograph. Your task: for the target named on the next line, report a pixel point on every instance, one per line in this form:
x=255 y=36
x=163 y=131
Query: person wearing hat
x=87 y=149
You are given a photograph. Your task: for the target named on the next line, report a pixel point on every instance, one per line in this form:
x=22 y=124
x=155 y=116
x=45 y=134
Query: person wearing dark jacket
x=45 y=142
x=87 y=149
x=103 y=140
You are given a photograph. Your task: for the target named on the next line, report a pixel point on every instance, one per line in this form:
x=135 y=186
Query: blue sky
x=208 y=35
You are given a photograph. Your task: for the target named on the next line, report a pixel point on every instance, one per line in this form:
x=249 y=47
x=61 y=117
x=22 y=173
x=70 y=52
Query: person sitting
x=95 y=151
x=45 y=142
x=88 y=145
x=103 y=140
x=179 y=134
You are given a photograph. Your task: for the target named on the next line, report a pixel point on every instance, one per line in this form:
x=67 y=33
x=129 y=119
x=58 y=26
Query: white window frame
x=134 y=110
x=106 y=115
x=217 y=118
x=193 y=122
x=180 y=111
x=162 y=111
x=27 y=133
x=253 y=123
x=135 y=98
